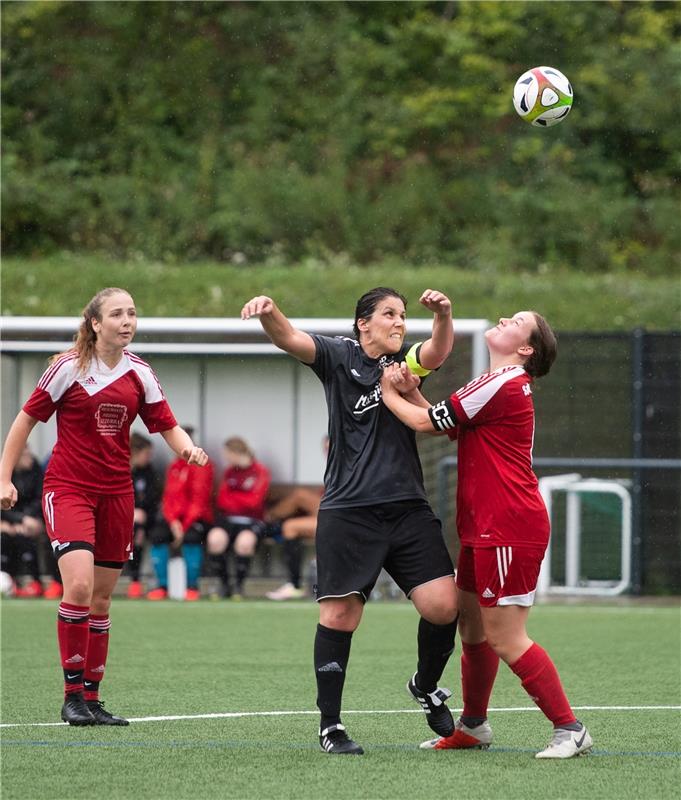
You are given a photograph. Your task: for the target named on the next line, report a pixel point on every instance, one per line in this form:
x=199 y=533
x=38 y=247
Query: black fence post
x=637 y=412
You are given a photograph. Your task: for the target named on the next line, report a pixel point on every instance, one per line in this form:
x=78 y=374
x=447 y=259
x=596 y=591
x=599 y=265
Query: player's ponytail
x=85 y=339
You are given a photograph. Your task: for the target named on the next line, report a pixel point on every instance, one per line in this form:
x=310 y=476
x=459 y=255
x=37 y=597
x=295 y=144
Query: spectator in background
x=239 y=521
x=186 y=514
x=22 y=527
x=146 y=484
x=295 y=517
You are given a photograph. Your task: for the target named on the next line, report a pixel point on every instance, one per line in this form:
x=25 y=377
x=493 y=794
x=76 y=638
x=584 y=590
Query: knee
x=101 y=603
x=217 y=541
x=245 y=543
x=442 y=613
x=78 y=590
x=344 y=616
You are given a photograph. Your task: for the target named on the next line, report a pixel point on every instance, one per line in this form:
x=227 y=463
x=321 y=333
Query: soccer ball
x=6 y=585
x=542 y=96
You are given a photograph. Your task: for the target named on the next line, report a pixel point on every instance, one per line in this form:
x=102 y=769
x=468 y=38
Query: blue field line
x=259 y=745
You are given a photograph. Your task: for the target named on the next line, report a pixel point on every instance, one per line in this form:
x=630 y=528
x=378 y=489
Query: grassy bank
x=60 y=285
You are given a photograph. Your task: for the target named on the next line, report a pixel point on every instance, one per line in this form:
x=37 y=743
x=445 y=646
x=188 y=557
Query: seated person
x=240 y=510
x=297 y=513
x=147 y=488
x=22 y=527
x=186 y=515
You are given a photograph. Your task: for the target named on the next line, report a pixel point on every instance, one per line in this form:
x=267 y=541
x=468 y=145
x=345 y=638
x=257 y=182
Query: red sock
x=98 y=647
x=541 y=681
x=479 y=665
x=72 y=635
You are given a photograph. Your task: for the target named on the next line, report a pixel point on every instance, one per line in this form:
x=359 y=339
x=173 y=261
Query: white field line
x=238 y=714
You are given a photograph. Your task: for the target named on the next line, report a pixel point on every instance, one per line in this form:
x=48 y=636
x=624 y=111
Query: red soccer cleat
x=157 y=594
x=463 y=738
x=54 y=591
x=135 y=590
x=192 y=594
x=32 y=589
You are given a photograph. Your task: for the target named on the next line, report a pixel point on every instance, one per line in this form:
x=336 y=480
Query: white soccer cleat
x=286 y=592
x=463 y=738
x=567 y=744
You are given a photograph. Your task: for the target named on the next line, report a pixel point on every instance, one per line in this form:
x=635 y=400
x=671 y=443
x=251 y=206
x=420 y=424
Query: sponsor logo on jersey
x=527 y=389
x=110 y=418
x=368 y=401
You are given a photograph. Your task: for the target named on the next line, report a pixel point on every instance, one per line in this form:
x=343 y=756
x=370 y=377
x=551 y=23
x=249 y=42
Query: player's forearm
x=413 y=416
x=178 y=440
x=436 y=349
x=282 y=334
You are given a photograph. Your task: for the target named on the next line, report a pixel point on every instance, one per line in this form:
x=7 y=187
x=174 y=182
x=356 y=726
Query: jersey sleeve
x=329 y=352
x=154 y=409
x=484 y=400
x=52 y=386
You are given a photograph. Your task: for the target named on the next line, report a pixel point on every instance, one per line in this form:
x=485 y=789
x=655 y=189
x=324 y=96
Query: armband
x=412 y=359
x=442 y=416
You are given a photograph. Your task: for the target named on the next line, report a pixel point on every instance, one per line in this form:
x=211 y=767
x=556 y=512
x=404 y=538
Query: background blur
x=200 y=153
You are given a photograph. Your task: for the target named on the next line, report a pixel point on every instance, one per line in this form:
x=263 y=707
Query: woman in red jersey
x=97 y=389
x=502 y=523
x=240 y=505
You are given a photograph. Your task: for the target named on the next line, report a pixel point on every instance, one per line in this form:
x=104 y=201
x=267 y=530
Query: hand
x=177 y=531
x=140 y=516
x=258 y=306
x=405 y=380
x=8 y=495
x=387 y=384
x=436 y=302
x=195 y=455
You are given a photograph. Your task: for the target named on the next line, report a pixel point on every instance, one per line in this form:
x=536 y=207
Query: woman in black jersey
x=374 y=513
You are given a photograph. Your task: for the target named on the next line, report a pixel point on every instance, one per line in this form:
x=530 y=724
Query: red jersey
x=497 y=501
x=242 y=492
x=94 y=412
x=188 y=493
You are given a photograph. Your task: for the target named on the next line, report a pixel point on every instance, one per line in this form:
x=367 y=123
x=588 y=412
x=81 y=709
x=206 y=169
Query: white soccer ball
x=543 y=96
x=6 y=585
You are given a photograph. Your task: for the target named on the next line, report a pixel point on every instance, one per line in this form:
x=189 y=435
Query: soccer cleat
x=76 y=711
x=438 y=716
x=101 y=716
x=286 y=592
x=335 y=740
x=566 y=743
x=32 y=589
x=135 y=590
x=463 y=738
x=192 y=594
x=157 y=594
x=54 y=591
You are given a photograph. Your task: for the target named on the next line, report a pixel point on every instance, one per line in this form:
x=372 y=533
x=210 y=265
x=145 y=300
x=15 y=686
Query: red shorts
x=103 y=524
x=500 y=576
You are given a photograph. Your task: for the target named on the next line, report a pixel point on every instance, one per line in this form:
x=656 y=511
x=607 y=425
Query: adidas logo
x=89 y=381
x=332 y=666
x=488 y=593
x=75 y=659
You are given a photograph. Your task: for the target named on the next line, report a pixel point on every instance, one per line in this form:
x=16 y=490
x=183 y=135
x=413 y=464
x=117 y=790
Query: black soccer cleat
x=438 y=716
x=335 y=740
x=75 y=710
x=101 y=716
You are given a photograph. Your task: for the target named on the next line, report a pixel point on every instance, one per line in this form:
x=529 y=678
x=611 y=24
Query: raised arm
x=14 y=445
x=436 y=349
x=296 y=343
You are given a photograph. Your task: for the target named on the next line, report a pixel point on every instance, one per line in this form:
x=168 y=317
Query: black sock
x=216 y=567
x=435 y=646
x=292 y=552
x=243 y=567
x=331 y=653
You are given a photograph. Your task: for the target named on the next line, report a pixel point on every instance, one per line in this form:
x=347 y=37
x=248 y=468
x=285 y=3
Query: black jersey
x=372 y=455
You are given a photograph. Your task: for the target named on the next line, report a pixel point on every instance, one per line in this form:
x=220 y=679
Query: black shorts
x=354 y=544
x=234 y=526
